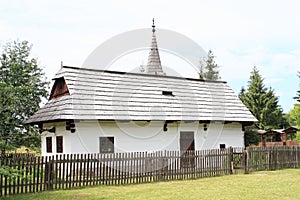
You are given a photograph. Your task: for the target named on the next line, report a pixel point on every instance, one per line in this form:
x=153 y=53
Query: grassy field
x=282 y=184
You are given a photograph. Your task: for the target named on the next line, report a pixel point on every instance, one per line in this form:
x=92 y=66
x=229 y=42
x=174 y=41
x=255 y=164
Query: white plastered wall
x=142 y=136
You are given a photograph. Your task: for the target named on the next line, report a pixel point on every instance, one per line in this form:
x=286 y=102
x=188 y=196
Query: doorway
x=187 y=149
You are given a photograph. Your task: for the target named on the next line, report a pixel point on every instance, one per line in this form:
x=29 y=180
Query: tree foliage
x=262 y=102
x=209 y=68
x=294 y=119
x=294 y=116
x=251 y=137
x=22 y=86
x=13 y=173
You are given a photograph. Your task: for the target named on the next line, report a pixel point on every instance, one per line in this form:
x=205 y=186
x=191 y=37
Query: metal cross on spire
x=153 y=26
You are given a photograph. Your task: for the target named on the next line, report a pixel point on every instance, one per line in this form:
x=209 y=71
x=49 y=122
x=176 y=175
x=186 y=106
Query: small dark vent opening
x=167 y=93
x=59 y=88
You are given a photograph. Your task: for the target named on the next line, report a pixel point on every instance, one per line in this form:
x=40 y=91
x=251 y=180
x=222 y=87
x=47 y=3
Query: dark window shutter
x=59 y=144
x=49 y=144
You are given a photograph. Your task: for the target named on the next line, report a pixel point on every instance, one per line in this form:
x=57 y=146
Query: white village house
x=96 y=111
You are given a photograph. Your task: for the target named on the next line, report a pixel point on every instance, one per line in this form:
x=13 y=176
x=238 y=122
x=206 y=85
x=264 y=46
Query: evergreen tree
x=251 y=137
x=262 y=102
x=209 y=68
x=22 y=86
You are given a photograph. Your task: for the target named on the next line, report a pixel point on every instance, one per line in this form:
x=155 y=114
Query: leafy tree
x=209 y=68
x=22 y=86
x=294 y=116
x=262 y=102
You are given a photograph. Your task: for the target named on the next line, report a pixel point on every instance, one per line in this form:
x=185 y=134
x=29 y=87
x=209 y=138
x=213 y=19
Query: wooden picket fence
x=272 y=158
x=66 y=171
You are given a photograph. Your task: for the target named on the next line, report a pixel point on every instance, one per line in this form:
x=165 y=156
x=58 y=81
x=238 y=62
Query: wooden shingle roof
x=107 y=95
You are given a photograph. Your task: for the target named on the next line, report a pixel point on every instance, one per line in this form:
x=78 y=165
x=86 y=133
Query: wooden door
x=187 y=148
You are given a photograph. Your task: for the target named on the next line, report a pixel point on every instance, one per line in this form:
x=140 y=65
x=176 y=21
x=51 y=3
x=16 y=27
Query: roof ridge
x=140 y=74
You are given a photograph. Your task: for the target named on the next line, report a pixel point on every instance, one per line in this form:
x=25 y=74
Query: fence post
x=245 y=160
x=231 y=171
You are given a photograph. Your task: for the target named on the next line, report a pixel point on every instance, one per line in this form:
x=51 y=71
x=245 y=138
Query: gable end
x=59 y=89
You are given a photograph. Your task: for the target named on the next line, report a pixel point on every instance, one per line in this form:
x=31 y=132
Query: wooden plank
x=73 y=158
x=93 y=169
x=98 y=163
x=106 y=169
x=9 y=163
x=56 y=172
x=119 y=168
x=81 y=166
x=45 y=173
x=128 y=167
x=67 y=174
x=26 y=173
x=31 y=174
x=86 y=169
x=102 y=169
x=114 y=166
x=18 y=163
x=59 y=171
x=135 y=171
x=89 y=170
x=63 y=177
x=37 y=165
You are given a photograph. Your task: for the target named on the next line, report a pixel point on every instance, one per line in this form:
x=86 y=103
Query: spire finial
x=153 y=26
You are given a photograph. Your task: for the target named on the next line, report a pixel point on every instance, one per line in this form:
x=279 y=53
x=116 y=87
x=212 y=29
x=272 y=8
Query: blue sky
x=240 y=33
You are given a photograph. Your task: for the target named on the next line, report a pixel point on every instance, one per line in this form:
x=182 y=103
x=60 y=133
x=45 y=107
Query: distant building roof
x=108 y=95
x=292 y=129
x=261 y=132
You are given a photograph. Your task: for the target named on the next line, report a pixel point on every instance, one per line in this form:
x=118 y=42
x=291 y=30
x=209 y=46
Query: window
x=49 y=144
x=107 y=145
x=167 y=93
x=59 y=144
x=222 y=146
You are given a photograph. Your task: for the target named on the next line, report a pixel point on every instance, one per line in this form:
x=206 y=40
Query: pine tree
x=209 y=68
x=262 y=102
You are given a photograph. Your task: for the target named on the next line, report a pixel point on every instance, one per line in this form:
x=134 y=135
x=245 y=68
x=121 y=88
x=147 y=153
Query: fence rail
x=76 y=170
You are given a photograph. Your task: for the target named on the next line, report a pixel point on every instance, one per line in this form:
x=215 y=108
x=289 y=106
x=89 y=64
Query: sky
x=242 y=34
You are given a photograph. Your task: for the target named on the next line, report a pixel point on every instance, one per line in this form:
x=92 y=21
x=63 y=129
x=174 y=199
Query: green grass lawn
x=282 y=184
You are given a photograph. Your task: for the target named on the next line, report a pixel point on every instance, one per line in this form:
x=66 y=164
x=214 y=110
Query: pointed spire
x=154 y=64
